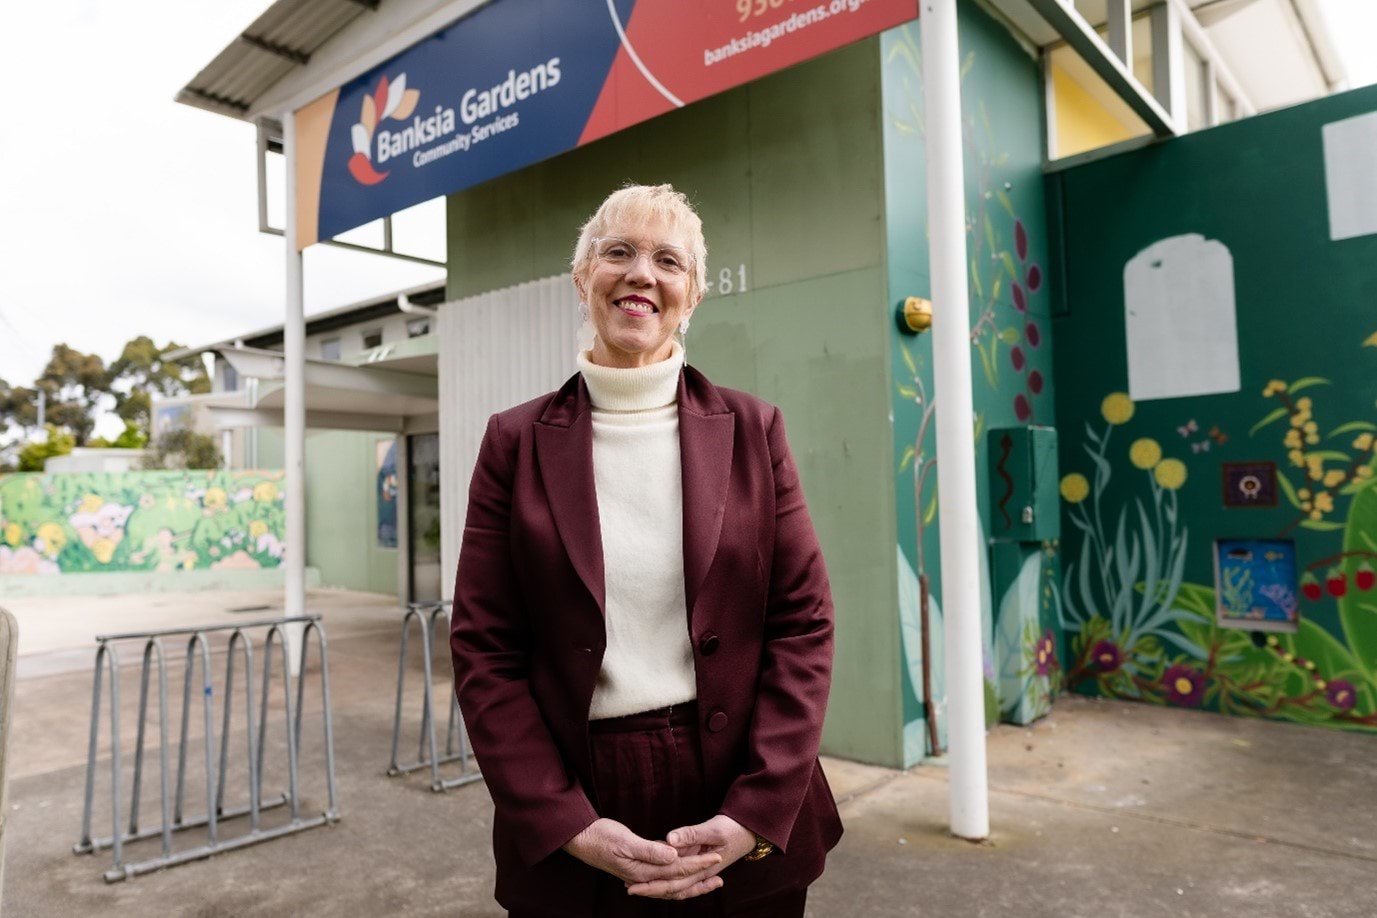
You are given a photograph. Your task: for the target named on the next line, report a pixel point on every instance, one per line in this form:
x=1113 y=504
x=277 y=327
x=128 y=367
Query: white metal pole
x=951 y=348
x=294 y=413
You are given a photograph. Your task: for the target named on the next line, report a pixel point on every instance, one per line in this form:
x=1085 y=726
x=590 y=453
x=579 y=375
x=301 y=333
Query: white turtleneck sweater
x=636 y=470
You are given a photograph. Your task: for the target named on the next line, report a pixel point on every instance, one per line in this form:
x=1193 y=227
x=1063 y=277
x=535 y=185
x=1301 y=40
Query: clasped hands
x=684 y=865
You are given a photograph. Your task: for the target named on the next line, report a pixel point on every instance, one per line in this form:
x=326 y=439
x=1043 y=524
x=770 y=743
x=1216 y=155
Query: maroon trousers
x=650 y=778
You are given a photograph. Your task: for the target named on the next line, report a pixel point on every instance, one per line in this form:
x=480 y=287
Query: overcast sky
x=123 y=213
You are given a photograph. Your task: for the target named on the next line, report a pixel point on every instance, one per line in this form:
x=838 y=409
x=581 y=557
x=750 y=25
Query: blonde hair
x=635 y=205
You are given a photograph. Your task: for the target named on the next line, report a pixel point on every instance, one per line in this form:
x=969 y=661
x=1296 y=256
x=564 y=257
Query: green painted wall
x=1308 y=366
x=1011 y=350
x=787 y=176
x=341 y=508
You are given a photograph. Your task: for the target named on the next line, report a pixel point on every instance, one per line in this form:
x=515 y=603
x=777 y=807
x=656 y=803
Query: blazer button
x=708 y=644
x=717 y=722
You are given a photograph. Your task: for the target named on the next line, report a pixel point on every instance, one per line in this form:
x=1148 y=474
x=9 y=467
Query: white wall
x=497 y=350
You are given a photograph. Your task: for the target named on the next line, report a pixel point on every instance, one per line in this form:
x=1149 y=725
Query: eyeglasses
x=668 y=261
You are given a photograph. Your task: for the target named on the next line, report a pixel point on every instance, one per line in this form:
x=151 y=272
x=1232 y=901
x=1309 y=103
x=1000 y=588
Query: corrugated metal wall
x=497 y=350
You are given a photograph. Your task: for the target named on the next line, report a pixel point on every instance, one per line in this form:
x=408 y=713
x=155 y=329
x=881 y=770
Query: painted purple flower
x=1185 y=685
x=1046 y=654
x=1341 y=694
x=1107 y=656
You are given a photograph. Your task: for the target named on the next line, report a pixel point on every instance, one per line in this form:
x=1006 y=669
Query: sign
x=520 y=81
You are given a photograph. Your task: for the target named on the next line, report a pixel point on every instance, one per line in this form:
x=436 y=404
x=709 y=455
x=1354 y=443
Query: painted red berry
x=1310 y=587
x=1020 y=240
x=1336 y=582
x=1364 y=578
x=1016 y=358
x=1035 y=382
x=1032 y=334
x=1022 y=410
x=1020 y=300
x=1034 y=279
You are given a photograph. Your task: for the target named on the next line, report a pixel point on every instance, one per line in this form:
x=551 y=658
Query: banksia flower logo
x=388 y=100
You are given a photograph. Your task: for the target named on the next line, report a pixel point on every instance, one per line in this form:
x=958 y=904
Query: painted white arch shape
x=636 y=58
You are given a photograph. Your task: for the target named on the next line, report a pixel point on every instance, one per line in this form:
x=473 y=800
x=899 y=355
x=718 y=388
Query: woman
x=642 y=630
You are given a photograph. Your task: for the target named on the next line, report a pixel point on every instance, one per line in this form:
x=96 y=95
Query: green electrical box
x=1024 y=498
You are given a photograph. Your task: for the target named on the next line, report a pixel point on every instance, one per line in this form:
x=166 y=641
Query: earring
x=683 y=327
x=583 y=311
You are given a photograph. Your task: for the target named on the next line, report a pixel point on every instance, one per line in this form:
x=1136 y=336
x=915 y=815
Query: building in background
x=373 y=472
x=1091 y=205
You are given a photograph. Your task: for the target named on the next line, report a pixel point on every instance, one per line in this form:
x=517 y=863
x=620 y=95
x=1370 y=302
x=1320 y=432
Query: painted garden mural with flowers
x=162 y=521
x=1140 y=630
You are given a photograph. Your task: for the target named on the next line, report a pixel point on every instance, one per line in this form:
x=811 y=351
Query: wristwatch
x=762 y=848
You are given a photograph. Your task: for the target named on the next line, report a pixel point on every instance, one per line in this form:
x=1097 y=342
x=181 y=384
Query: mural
x=1009 y=303
x=1140 y=631
x=141 y=521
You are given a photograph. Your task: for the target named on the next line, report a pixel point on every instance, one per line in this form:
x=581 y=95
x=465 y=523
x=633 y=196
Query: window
x=372 y=338
x=415 y=328
x=230 y=378
x=329 y=349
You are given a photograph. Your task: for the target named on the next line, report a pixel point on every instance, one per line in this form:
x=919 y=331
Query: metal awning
x=277 y=42
x=338 y=396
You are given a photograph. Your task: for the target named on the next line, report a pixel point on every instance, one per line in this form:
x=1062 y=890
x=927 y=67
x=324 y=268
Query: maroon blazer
x=528 y=637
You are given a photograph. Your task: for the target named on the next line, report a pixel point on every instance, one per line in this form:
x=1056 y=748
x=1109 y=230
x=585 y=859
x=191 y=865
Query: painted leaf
x=1306 y=383
x=1004 y=200
x=410 y=98
x=908 y=359
x=360 y=137
x=1273 y=416
x=380 y=95
x=1289 y=490
x=1009 y=265
x=1359 y=624
x=395 y=90
x=1332 y=661
x=906 y=458
x=368 y=117
x=1009 y=336
x=1322 y=525
x=1350 y=427
x=362 y=170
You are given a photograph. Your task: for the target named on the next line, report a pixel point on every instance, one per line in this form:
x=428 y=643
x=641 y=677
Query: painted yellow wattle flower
x=1117 y=408
x=1363 y=441
x=1324 y=502
x=1297 y=458
x=1075 y=488
x=1333 y=477
x=265 y=492
x=1304 y=403
x=103 y=549
x=215 y=499
x=1292 y=439
x=14 y=534
x=257 y=529
x=53 y=539
x=1145 y=453
x=1364 y=471
x=1273 y=388
x=91 y=503
x=1170 y=473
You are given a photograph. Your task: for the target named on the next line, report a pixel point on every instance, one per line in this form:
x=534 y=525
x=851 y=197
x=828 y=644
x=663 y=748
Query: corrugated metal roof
x=277 y=42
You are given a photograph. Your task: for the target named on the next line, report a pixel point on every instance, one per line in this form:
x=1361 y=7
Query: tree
x=74 y=384
x=143 y=369
x=183 y=448
x=32 y=456
x=18 y=407
x=132 y=437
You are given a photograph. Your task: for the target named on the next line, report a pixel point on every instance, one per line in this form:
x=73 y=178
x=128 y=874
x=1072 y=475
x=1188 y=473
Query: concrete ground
x=1101 y=809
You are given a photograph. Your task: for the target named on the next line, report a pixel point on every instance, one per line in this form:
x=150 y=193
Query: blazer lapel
x=564 y=454
x=706 y=434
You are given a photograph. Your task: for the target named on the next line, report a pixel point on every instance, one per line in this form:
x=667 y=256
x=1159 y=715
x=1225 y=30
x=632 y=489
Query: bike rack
x=427 y=616
x=174 y=818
